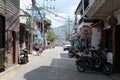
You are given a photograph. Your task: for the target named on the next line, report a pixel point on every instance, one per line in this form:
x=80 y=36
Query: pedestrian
x=36 y=48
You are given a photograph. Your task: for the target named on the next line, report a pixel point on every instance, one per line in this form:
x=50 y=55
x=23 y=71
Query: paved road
x=53 y=64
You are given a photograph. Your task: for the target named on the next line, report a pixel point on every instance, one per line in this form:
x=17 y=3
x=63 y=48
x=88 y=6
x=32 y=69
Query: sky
x=63 y=8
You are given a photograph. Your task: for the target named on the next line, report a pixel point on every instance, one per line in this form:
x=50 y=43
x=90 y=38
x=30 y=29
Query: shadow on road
x=41 y=73
x=62 y=69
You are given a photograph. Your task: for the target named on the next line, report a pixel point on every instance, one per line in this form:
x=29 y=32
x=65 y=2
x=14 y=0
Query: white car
x=66 y=45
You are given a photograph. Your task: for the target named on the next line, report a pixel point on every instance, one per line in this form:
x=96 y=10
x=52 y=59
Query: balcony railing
x=93 y=6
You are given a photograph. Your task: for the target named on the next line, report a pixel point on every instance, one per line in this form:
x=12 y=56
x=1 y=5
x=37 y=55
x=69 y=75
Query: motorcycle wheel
x=26 y=60
x=80 y=68
x=107 y=69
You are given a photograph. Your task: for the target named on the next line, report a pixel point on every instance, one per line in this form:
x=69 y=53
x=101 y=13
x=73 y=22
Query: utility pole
x=32 y=24
x=68 y=27
x=43 y=18
x=43 y=24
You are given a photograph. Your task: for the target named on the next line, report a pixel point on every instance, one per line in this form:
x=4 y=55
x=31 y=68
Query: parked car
x=67 y=45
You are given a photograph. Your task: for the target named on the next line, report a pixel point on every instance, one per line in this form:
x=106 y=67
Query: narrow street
x=53 y=64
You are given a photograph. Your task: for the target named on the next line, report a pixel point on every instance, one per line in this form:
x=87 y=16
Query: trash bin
x=2 y=58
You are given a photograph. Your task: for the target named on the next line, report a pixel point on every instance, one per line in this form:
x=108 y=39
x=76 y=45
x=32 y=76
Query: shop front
x=110 y=12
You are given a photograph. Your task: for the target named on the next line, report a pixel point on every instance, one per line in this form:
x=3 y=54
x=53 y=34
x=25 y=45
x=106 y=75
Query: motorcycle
x=72 y=52
x=98 y=62
x=23 y=57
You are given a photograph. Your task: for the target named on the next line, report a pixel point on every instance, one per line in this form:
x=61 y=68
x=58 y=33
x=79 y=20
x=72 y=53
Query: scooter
x=23 y=57
x=72 y=52
x=99 y=63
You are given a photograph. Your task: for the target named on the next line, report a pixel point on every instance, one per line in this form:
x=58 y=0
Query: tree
x=51 y=36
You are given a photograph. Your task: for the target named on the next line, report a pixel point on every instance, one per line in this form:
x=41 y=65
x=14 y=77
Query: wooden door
x=13 y=47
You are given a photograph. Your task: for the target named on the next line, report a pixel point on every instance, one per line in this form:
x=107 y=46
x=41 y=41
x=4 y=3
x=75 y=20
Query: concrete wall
x=96 y=36
x=12 y=25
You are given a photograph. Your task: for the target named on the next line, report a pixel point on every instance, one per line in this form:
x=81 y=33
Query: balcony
x=101 y=8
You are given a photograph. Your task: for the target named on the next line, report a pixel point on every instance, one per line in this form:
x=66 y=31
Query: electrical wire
x=39 y=2
x=28 y=2
x=63 y=22
x=57 y=20
x=24 y=3
x=53 y=13
x=56 y=10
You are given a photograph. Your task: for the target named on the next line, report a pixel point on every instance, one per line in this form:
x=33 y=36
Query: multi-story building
x=107 y=11
x=25 y=30
x=85 y=26
x=9 y=32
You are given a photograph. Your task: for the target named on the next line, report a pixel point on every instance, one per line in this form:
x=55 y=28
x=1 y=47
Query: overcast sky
x=63 y=8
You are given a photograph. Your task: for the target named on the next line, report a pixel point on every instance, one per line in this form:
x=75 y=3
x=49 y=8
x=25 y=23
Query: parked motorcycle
x=23 y=57
x=72 y=52
x=98 y=62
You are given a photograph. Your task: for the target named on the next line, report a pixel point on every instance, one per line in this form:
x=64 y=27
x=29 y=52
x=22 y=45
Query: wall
x=91 y=2
x=96 y=36
x=12 y=26
x=117 y=15
x=2 y=7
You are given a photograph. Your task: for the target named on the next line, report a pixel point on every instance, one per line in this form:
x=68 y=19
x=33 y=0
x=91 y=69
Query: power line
x=28 y=2
x=57 y=20
x=24 y=3
x=56 y=10
x=40 y=2
x=26 y=6
x=54 y=13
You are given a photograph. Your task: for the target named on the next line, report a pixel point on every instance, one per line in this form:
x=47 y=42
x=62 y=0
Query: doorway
x=13 y=46
x=2 y=31
x=117 y=48
x=2 y=42
x=108 y=39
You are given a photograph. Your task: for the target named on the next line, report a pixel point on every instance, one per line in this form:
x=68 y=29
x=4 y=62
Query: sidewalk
x=12 y=67
x=9 y=70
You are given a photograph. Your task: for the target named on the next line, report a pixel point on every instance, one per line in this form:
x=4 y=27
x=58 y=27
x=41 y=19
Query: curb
x=8 y=70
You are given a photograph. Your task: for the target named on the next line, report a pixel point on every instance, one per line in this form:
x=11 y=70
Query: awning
x=84 y=24
x=40 y=36
x=30 y=28
x=102 y=8
x=15 y=26
x=79 y=8
x=74 y=35
x=94 y=25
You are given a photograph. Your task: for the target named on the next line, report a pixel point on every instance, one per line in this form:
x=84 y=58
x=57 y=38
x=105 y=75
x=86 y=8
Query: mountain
x=62 y=31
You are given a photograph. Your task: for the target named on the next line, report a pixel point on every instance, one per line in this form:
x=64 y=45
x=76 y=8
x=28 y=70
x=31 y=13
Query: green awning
x=29 y=19
x=30 y=28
